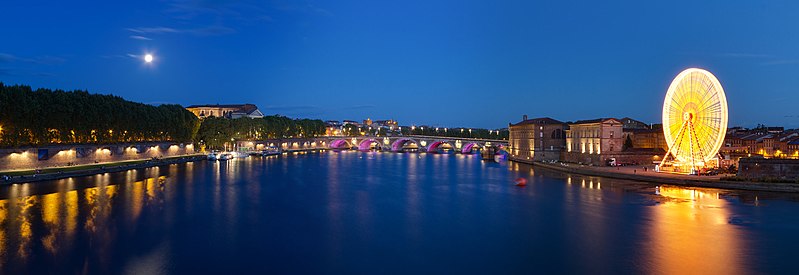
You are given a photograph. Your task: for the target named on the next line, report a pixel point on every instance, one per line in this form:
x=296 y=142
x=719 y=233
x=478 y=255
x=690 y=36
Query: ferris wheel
x=694 y=118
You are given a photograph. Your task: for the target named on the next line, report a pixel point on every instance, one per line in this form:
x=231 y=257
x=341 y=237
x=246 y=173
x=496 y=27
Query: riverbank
x=54 y=173
x=34 y=175
x=648 y=175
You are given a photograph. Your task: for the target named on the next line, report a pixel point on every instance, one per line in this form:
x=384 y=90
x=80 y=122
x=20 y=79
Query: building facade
x=647 y=139
x=226 y=111
x=538 y=139
x=594 y=141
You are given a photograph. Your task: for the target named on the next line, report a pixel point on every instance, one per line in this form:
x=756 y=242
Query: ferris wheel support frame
x=686 y=125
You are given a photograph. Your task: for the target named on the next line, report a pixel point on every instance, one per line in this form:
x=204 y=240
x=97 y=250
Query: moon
x=148 y=58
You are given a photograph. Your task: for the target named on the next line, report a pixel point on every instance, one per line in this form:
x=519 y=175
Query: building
x=390 y=124
x=351 y=122
x=538 y=139
x=226 y=111
x=594 y=141
x=646 y=138
x=630 y=123
x=793 y=148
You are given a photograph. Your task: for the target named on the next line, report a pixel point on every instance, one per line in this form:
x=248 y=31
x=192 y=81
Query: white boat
x=213 y=156
x=224 y=156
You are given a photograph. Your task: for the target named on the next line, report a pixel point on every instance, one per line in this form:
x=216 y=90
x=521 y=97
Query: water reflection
x=690 y=234
x=61 y=224
x=343 y=211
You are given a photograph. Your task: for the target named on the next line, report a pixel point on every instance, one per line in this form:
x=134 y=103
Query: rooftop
x=540 y=120
x=597 y=120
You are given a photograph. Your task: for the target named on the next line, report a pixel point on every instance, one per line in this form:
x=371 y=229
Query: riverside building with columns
x=594 y=141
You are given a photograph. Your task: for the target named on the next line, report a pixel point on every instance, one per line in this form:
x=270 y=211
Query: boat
x=224 y=156
x=272 y=151
x=239 y=154
x=213 y=156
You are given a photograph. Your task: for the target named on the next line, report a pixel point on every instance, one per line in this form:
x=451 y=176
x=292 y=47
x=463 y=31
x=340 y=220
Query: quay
x=636 y=173
x=35 y=175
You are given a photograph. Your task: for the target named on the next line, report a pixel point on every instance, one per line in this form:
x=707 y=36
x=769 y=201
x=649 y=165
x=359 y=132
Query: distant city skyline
x=450 y=63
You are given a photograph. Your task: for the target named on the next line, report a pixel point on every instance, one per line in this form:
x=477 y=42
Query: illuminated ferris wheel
x=694 y=119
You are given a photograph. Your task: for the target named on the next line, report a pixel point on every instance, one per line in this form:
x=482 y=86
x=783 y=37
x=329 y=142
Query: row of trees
x=43 y=116
x=215 y=131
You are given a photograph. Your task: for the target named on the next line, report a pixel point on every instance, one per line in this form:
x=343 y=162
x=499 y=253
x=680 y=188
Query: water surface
x=373 y=213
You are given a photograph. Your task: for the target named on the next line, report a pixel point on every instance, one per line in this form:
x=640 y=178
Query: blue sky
x=446 y=63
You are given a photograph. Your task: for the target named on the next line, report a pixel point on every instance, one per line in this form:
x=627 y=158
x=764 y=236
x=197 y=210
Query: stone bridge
x=365 y=143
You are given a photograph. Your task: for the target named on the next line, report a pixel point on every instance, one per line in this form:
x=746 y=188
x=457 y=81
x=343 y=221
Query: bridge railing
x=459 y=138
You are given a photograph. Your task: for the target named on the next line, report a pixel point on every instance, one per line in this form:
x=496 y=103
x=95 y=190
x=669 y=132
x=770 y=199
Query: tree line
x=42 y=117
x=216 y=131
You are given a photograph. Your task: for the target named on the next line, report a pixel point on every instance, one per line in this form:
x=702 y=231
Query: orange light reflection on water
x=58 y=217
x=690 y=234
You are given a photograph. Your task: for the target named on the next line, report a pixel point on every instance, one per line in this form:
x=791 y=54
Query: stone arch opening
x=340 y=144
x=439 y=145
x=369 y=144
x=468 y=148
x=404 y=144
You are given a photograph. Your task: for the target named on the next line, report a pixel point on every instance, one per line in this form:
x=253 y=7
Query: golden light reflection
x=690 y=234
x=50 y=215
x=3 y=215
x=51 y=221
x=25 y=232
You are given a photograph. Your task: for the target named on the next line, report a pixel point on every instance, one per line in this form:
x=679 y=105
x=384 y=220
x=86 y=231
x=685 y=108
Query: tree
x=628 y=143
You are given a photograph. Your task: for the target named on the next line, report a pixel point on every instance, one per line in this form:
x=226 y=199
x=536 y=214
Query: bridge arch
x=436 y=144
x=340 y=144
x=366 y=144
x=400 y=143
x=467 y=149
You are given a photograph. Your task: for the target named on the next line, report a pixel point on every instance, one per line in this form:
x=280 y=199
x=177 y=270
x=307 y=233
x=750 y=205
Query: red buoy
x=521 y=182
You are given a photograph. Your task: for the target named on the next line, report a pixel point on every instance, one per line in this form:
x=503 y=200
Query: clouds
x=203 y=18
x=139 y=37
x=14 y=65
x=204 y=31
x=46 y=60
x=220 y=17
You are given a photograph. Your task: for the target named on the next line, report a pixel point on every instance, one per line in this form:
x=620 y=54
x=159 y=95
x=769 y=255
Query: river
x=377 y=213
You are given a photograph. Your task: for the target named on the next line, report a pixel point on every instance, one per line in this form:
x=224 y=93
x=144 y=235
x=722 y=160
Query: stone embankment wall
x=67 y=155
x=638 y=158
x=756 y=168
x=667 y=179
